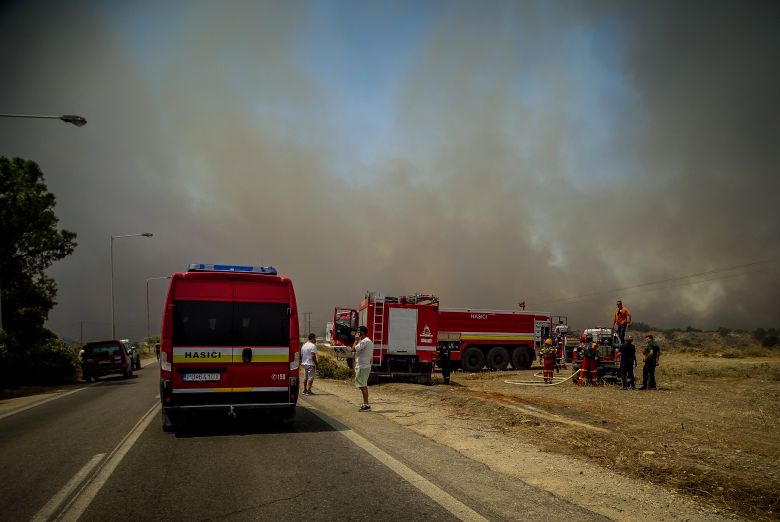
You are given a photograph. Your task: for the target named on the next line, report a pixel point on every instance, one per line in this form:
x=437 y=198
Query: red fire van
x=229 y=342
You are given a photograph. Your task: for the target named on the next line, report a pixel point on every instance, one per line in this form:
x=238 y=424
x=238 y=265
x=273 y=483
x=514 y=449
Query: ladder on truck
x=378 y=323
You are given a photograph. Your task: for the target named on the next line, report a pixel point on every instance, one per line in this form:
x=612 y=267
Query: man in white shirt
x=364 y=356
x=309 y=363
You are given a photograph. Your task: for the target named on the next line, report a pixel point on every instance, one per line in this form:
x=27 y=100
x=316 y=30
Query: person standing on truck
x=651 y=355
x=622 y=319
x=627 y=363
x=364 y=357
x=309 y=363
x=590 y=356
x=547 y=354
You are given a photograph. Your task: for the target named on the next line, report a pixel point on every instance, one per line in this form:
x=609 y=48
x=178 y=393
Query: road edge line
x=48 y=510
x=89 y=491
x=457 y=508
x=44 y=401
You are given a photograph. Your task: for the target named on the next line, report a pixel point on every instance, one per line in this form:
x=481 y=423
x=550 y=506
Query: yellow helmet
x=548 y=342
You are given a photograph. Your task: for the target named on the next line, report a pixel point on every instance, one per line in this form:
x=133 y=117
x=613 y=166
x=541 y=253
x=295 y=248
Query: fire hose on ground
x=557 y=380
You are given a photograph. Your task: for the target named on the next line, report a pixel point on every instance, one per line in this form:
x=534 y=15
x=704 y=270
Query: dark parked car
x=104 y=358
x=134 y=355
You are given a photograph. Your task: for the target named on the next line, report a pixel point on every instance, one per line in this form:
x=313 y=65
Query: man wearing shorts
x=309 y=363
x=364 y=356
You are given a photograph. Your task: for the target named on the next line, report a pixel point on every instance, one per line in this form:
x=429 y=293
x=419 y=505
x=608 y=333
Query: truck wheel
x=497 y=358
x=472 y=360
x=520 y=358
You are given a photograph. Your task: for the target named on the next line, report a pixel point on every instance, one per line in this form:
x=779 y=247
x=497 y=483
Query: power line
x=672 y=280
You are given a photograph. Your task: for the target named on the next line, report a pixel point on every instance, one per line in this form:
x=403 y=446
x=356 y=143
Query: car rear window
x=220 y=323
x=96 y=350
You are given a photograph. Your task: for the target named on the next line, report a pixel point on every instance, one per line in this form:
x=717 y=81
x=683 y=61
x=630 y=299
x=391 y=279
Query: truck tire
x=521 y=358
x=472 y=359
x=497 y=358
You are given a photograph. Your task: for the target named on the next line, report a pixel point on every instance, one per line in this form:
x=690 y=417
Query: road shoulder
x=594 y=489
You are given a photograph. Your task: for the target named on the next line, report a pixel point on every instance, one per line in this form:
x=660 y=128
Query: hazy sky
x=560 y=153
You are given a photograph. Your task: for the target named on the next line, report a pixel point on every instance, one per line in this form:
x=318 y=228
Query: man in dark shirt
x=444 y=361
x=651 y=353
x=627 y=363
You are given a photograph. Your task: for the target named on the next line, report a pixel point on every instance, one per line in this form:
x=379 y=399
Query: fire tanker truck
x=408 y=330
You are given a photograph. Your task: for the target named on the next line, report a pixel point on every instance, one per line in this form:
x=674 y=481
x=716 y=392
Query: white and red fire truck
x=408 y=330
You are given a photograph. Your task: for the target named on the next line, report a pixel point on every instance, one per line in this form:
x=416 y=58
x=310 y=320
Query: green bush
x=724 y=331
x=328 y=368
x=52 y=362
x=49 y=362
x=770 y=341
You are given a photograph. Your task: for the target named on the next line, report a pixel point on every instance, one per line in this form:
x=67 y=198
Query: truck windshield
x=220 y=323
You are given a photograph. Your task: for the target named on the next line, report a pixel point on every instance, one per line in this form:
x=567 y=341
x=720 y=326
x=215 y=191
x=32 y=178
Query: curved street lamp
x=78 y=121
x=113 y=313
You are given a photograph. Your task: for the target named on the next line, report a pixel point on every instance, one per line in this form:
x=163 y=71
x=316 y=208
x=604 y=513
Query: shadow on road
x=216 y=424
x=116 y=380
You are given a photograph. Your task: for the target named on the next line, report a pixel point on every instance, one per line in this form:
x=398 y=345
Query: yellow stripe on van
x=222 y=355
x=202 y=355
x=277 y=354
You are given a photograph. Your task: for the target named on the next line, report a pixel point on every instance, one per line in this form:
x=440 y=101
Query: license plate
x=201 y=377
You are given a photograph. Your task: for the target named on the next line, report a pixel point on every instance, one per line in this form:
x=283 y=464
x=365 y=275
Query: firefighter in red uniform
x=547 y=354
x=590 y=354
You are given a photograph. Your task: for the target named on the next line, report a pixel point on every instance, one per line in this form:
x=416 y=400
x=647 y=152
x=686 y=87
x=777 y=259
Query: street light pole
x=78 y=121
x=113 y=313
x=148 y=327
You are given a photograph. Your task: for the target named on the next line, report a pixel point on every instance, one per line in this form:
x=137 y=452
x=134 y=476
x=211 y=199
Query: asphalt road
x=99 y=453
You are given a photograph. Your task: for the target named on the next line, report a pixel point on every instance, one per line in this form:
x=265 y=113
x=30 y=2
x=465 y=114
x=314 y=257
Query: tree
x=29 y=244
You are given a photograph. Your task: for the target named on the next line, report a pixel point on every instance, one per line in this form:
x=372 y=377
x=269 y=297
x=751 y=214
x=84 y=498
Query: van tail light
x=166 y=358
x=165 y=364
x=118 y=359
x=296 y=362
x=293 y=389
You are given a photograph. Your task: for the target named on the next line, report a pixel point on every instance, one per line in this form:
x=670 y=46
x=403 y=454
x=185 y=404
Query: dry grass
x=710 y=431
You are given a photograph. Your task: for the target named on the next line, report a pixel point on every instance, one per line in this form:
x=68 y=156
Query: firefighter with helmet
x=547 y=354
x=589 y=357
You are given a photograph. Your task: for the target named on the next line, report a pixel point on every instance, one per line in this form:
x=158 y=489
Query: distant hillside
x=723 y=343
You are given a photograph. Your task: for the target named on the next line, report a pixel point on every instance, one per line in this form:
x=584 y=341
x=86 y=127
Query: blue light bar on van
x=204 y=267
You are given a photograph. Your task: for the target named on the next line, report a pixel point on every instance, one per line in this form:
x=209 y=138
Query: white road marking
x=89 y=491
x=458 y=509
x=44 y=401
x=51 y=506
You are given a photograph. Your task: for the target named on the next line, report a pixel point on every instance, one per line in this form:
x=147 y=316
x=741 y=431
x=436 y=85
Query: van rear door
x=202 y=336
x=261 y=331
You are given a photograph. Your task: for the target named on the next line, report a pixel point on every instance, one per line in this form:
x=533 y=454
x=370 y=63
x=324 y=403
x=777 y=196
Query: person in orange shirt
x=621 y=319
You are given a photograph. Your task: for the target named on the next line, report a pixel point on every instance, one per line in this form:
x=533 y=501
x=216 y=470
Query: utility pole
x=307 y=322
